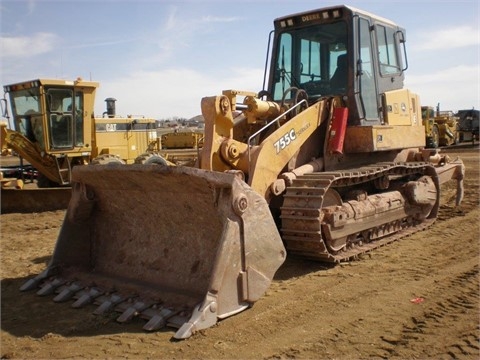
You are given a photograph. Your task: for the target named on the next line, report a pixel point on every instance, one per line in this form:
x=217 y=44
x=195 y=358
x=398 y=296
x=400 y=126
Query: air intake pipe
x=110 y=107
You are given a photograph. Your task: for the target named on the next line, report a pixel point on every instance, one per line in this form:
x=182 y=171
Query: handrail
x=268 y=125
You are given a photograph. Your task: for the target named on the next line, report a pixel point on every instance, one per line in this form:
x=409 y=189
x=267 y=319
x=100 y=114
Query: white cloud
x=100 y=43
x=448 y=38
x=22 y=46
x=171 y=22
x=172 y=92
x=176 y=34
x=210 y=18
x=455 y=88
x=31 y=5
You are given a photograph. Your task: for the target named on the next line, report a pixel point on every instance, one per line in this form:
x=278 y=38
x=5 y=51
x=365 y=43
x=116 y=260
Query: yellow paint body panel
x=366 y=139
x=119 y=136
x=402 y=107
x=181 y=140
x=403 y=126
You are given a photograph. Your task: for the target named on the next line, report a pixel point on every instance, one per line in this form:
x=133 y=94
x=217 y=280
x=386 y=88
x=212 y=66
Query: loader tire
x=456 y=138
x=434 y=140
x=107 y=159
x=44 y=183
x=150 y=159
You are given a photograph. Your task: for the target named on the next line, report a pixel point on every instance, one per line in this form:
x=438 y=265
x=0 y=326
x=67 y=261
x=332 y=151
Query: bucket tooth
x=127 y=315
x=87 y=296
x=50 y=287
x=176 y=321
x=204 y=315
x=133 y=311
x=176 y=273
x=108 y=304
x=159 y=319
x=32 y=283
x=68 y=292
x=35 y=282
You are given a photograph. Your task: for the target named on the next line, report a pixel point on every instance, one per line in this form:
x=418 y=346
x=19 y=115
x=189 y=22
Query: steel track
x=302 y=216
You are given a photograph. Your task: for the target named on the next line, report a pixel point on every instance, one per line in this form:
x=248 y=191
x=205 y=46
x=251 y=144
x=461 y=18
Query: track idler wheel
x=422 y=195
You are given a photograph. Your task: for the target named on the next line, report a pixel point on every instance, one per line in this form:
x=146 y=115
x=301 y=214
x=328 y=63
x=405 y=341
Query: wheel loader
x=326 y=162
x=441 y=127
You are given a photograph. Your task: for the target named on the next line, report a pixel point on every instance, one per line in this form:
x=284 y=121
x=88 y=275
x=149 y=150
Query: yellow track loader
x=327 y=162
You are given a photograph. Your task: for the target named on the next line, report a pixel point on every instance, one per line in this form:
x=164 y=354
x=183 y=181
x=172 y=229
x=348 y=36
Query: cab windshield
x=63 y=111
x=313 y=59
x=26 y=106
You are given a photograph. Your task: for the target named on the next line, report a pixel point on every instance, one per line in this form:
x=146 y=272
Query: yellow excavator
x=327 y=162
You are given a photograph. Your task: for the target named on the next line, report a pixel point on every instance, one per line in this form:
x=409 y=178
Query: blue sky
x=159 y=58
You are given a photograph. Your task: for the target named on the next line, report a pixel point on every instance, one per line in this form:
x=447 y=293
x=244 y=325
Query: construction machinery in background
x=177 y=147
x=12 y=170
x=468 y=124
x=441 y=127
x=326 y=162
x=54 y=129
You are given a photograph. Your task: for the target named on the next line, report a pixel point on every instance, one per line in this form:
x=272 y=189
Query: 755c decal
x=285 y=140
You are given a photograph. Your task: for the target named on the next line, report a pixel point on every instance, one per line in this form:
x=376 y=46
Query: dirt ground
x=363 y=309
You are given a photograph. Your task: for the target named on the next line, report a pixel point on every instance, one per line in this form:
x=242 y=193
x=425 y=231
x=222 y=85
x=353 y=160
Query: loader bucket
x=177 y=246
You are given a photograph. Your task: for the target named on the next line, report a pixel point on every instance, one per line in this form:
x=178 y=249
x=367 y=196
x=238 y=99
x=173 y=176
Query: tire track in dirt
x=358 y=310
x=422 y=264
x=437 y=318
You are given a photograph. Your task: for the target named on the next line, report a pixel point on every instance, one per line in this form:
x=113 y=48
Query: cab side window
x=387 y=51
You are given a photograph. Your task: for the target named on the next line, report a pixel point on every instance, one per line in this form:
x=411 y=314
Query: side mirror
x=277 y=74
x=4 y=108
x=400 y=35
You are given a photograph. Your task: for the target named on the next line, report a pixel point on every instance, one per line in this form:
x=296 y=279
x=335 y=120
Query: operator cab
x=65 y=120
x=50 y=113
x=337 y=51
